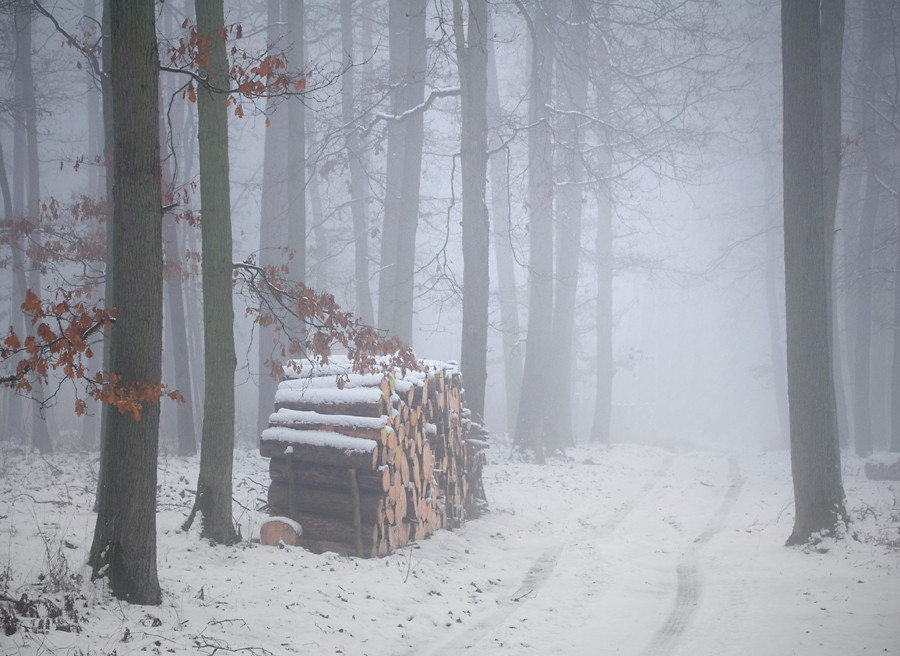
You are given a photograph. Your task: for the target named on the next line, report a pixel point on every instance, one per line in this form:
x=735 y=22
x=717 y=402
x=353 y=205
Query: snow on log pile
x=369 y=465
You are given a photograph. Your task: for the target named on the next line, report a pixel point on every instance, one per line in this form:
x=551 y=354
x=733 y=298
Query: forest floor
x=611 y=550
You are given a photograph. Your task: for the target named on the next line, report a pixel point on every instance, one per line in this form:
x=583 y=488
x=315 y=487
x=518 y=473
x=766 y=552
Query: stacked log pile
x=367 y=463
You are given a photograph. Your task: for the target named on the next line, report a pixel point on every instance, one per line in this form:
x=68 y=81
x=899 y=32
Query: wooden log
x=330 y=529
x=327 y=501
x=320 y=447
x=358 y=409
x=280 y=529
x=367 y=428
x=883 y=471
x=313 y=475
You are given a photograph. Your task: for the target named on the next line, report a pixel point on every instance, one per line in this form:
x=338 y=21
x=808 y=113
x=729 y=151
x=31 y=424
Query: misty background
x=685 y=157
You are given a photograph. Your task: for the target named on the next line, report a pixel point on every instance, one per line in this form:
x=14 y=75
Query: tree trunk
x=13 y=416
x=530 y=421
x=774 y=273
x=862 y=402
x=398 y=59
x=109 y=273
x=895 y=366
x=320 y=267
x=559 y=432
x=296 y=152
x=174 y=296
x=124 y=546
x=357 y=172
x=503 y=253
x=28 y=185
x=414 y=94
x=217 y=442
x=96 y=173
x=815 y=456
x=471 y=55
x=605 y=372
x=273 y=225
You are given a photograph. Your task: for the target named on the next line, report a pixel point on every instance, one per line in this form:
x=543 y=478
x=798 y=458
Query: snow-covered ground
x=627 y=549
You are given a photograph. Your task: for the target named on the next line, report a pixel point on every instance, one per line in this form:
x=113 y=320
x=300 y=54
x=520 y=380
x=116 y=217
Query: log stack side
x=372 y=462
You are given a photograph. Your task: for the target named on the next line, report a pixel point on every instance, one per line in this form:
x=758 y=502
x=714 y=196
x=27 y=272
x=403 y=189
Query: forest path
x=604 y=566
x=540 y=571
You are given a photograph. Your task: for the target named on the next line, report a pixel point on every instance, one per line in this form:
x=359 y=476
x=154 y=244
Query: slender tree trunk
x=96 y=175
x=358 y=191
x=503 y=253
x=13 y=417
x=217 y=442
x=27 y=109
x=895 y=365
x=471 y=55
x=320 y=266
x=774 y=273
x=273 y=226
x=187 y=439
x=815 y=456
x=862 y=402
x=559 y=432
x=109 y=140
x=414 y=94
x=398 y=60
x=850 y=235
x=296 y=151
x=530 y=421
x=124 y=546
x=605 y=372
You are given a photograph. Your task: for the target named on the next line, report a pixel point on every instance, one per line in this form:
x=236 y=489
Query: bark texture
x=471 y=55
x=124 y=546
x=815 y=456
x=217 y=442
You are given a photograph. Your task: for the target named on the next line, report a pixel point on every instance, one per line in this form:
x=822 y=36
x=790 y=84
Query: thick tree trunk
x=503 y=253
x=217 y=442
x=471 y=55
x=358 y=191
x=559 y=432
x=273 y=225
x=815 y=456
x=530 y=421
x=124 y=546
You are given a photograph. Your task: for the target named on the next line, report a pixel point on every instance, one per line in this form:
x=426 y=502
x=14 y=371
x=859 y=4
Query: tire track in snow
x=540 y=572
x=688 y=588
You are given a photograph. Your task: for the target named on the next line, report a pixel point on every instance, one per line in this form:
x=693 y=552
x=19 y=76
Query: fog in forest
x=449 y=326
x=684 y=150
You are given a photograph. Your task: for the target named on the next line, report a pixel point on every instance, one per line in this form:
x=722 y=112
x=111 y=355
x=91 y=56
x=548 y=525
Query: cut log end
x=280 y=529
